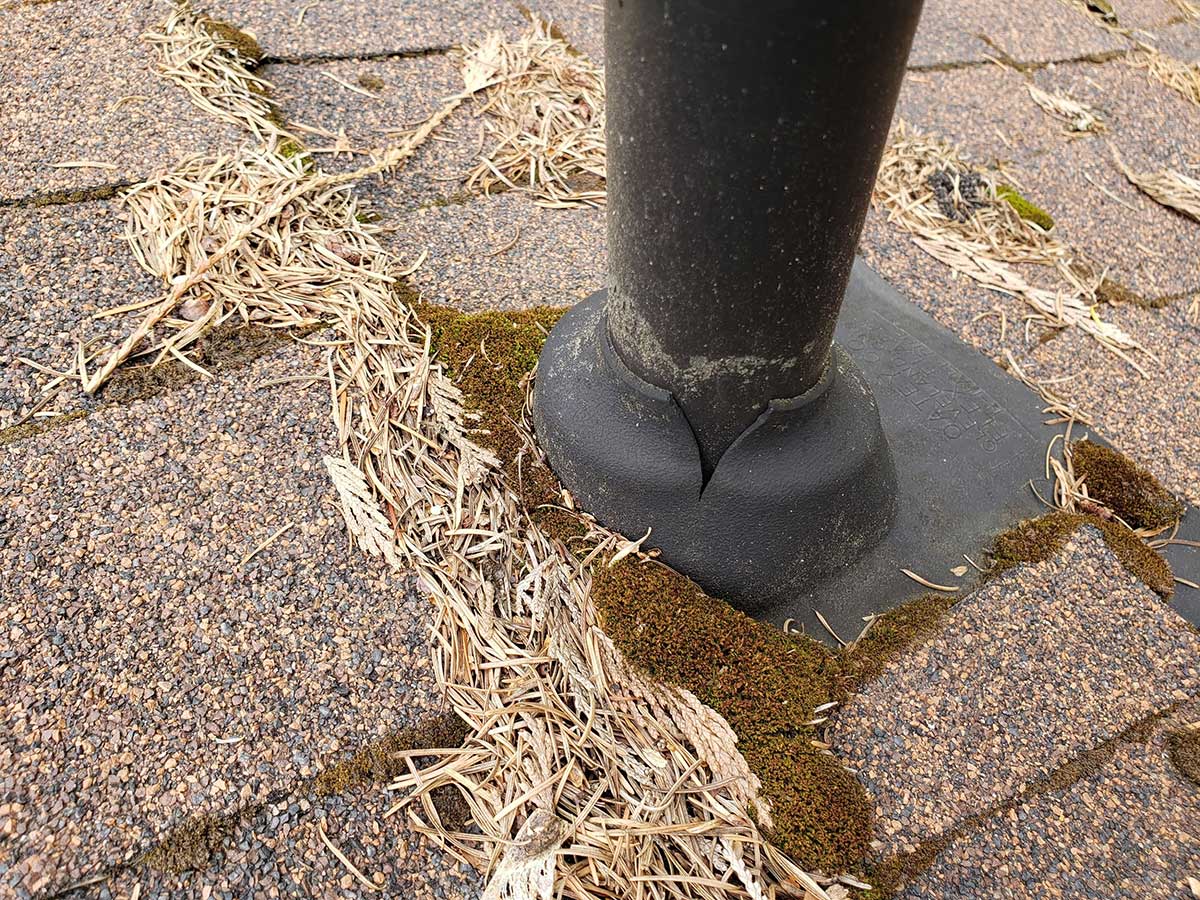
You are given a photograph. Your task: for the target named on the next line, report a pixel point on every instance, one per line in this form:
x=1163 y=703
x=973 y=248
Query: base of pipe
x=966 y=441
x=804 y=492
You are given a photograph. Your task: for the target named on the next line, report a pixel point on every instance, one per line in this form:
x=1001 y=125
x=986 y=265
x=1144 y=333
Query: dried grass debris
x=211 y=60
x=1179 y=76
x=1079 y=118
x=1170 y=188
x=992 y=241
x=544 y=118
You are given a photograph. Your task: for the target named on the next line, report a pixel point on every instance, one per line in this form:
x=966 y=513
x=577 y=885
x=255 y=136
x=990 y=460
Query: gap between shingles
x=309 y=59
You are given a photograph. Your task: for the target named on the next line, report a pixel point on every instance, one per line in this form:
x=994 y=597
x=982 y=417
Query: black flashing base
x=966 y=441
x=969 y=444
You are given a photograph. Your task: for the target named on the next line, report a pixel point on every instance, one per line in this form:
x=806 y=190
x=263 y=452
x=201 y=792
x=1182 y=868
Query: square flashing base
x=967 y=440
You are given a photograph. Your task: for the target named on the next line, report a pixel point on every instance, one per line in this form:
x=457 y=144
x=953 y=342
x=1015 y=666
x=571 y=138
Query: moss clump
x=892 y=633
x=243 y=45
x=583 y=182
x=489 y=354
x=1027 y=210
x=1124 y=487
x=765 y=683
x=889 y=875
x=1036 y=540
x=458 y=198
x=1184 y=748
x=224 y=347
x=289 y=148
x=58 y=198
x=37 y=426
x=379 y=761
x=1113 y=292
x=371 y=82
x=191 y=845
x=822 y=814
x=452 y=809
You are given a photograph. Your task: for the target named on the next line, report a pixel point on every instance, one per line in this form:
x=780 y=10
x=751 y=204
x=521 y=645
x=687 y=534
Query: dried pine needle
x=1179 y=76
x=267 y=543
x=925 y=582
x=345 y=861
x=1170 y=188
x=1078 y=117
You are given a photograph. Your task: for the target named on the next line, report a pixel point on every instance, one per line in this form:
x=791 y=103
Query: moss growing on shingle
x=223 y=347
x=766 y=685
x=1036 y=540
x=191 y=844
x=1184 y=748
x=380 y=761
x=892 y=634
x=1124 y=487
x=37 y=426
x=1114 y=292
x=242 y=44
x=1026 y=209
x=489 y=354
x=60 y=197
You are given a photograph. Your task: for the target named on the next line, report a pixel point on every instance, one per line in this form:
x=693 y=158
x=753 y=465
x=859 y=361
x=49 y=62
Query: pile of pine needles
x=215 y=72
x=585 y=779
x=544 y=124
x=978 y=234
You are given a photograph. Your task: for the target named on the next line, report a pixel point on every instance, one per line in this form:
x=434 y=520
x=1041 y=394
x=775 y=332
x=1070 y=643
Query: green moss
x=289 y=148
x=1113 y=292
x=765 y=683
x=37 y=426
x=458 y=198
x=243 y=45
x=489 y=354
x=583 y=182
x=893 y=633
x=1124 y=487
x=191 y=845
x=1027 y=210
x=1036 y=540
x=452 y=808
x=380 y=762
x=58 y=198
x=371 y=82
x=223 y=347
x=889 y=875
x=1184 y=748
x=822 y=814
